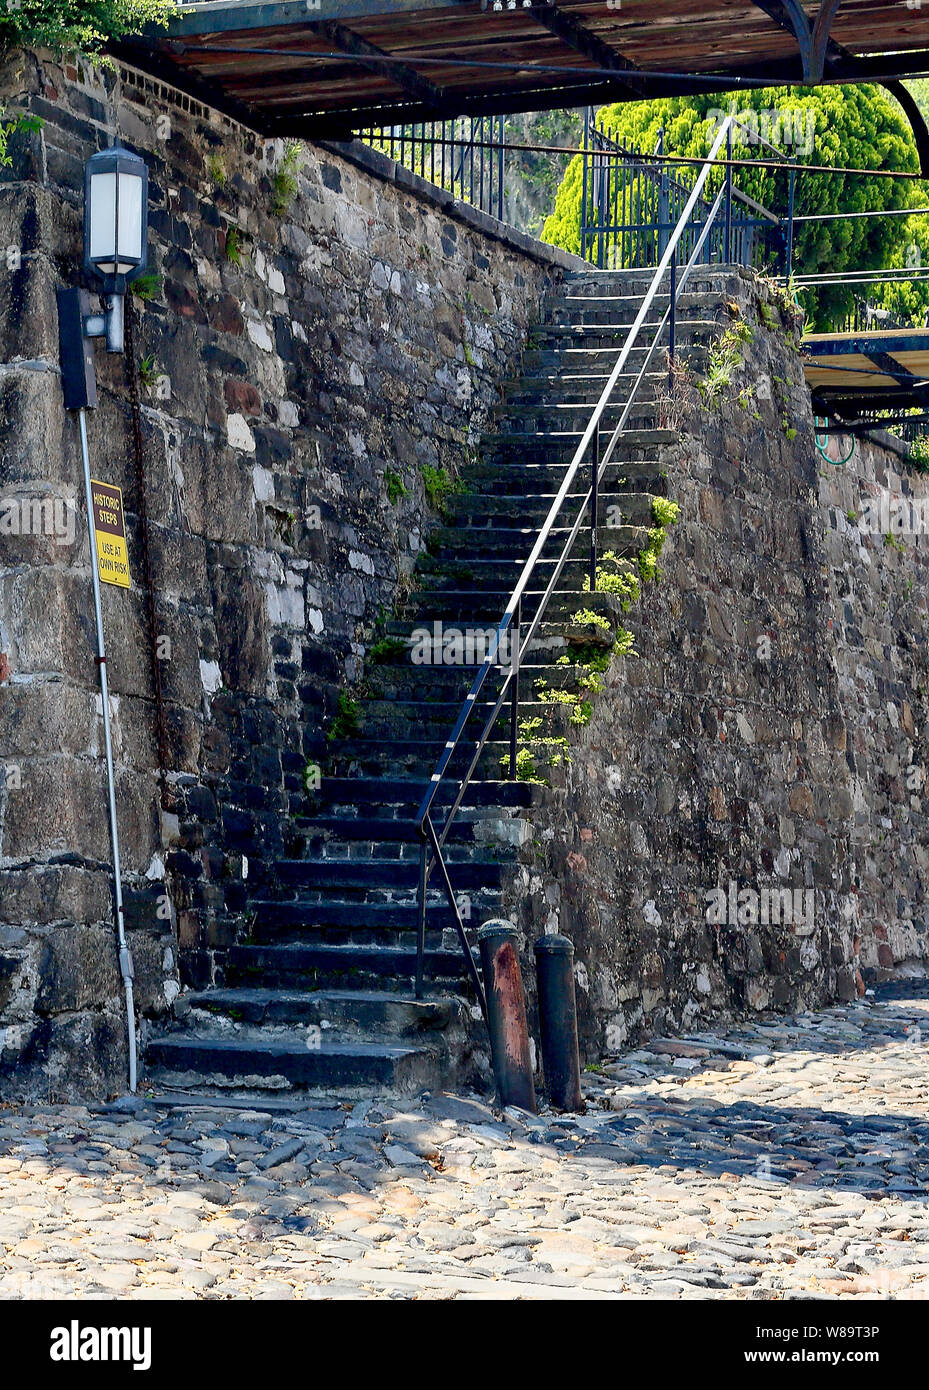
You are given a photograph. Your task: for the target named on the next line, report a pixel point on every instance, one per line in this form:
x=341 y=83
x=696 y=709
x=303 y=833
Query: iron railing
x=466 y=157
x=510 y=629
x=631 y=202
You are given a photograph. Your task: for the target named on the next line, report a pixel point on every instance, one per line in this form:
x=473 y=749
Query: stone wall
x=303 y=367
x=769 y=734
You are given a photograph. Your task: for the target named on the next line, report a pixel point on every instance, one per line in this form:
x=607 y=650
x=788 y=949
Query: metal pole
x=672 y=326
x=594 y=506
x=506 y=1015
x=421 y=921
x=125 y=956
x=728 y=255
x=515 y=641
x=789 y=267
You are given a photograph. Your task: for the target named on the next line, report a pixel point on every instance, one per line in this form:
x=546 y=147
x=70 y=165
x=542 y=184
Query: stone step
x=615 y=334
x=180 y=1060
x=564 y=355
x=532 y=480
x=395 y=757
x=390 y=796
x=354 y=923
x=479 y=511
x=619 y=305
x=362 y=876
x=580 y=389
x=545 y=417
x=488 y=570
x=560 y=447
x=379 y=837
x=502 y=544
x=314 y=966
x=349 y=1011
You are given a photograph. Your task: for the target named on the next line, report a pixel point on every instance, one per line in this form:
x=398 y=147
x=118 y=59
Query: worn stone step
x=353 y=922
x=483 y=511
x=620 y=305
x=395 y=757
x=554 y=416
x=386 y=795
x=178 y=1059
x=565 y=354
x=380 y=837
x=502 y=570
x=535 y=479
x=315 y=966
x=349 y=1011
x=606 y=334
x=358 y=876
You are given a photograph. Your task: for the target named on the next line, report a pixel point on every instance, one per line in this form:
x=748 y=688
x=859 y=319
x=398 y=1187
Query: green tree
x=75 y=25
x=849 y=127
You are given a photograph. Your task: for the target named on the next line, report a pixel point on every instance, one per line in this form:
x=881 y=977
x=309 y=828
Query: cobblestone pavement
x=784 y=1158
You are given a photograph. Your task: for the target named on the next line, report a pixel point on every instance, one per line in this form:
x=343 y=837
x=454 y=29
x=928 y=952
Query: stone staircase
x=319 y=993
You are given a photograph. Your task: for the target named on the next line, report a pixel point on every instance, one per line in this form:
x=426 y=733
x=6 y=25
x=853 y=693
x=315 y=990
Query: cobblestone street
x=785 y=1159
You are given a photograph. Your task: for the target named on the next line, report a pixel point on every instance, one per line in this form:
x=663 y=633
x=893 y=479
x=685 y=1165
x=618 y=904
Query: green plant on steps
x=616 y=576
x=216 y=170
x=532 y=744
x=724 y=360
x=439 y=485
x=387 y=651
x=581 y=710
x=586 y=617
x=346 y=721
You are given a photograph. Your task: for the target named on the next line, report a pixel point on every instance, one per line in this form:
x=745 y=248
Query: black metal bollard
x=561 y=1067
x=506 y=1015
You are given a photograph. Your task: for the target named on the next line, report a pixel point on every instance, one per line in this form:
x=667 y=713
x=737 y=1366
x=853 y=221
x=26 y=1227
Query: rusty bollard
x=561 y=1066
x=506 y=1015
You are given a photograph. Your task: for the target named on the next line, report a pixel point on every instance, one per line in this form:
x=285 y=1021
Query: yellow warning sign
x=110 y=530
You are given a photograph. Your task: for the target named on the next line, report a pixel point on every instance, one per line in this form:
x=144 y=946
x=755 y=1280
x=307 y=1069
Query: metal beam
x=888 y=364
x=567 y=28
x=812 y=35
x=917 y=122
x=409 y=81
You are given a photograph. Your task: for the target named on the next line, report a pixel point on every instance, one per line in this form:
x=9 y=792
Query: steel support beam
x=567 y=28
x=812 y=35
x=917 y=122
x=416 y=87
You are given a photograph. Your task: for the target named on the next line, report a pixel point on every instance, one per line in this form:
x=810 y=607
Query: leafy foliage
x=81 y=25
x=853 y=127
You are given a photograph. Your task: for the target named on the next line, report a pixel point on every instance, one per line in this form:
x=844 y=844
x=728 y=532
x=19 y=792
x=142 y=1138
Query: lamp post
x=115 y=222
x=115 y=252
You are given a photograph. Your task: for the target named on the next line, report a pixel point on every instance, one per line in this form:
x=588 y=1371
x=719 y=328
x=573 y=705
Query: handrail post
x=515 y=636
x=672 y=323
x=728 y=257
x=594 y=505
x=421 y=922
x=789 y=252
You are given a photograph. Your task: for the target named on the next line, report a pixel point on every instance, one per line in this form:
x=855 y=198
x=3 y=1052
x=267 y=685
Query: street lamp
x=115 y=252
x=115 y=232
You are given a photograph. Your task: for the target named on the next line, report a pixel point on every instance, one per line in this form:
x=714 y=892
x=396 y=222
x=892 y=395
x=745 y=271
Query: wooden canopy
x=318 y=68
x=853 y=372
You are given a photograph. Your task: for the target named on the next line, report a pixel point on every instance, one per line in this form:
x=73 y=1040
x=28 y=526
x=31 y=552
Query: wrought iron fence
x=466 y=157
x=631 y=202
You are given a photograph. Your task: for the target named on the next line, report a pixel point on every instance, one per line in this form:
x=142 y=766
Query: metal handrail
x=432 y=841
